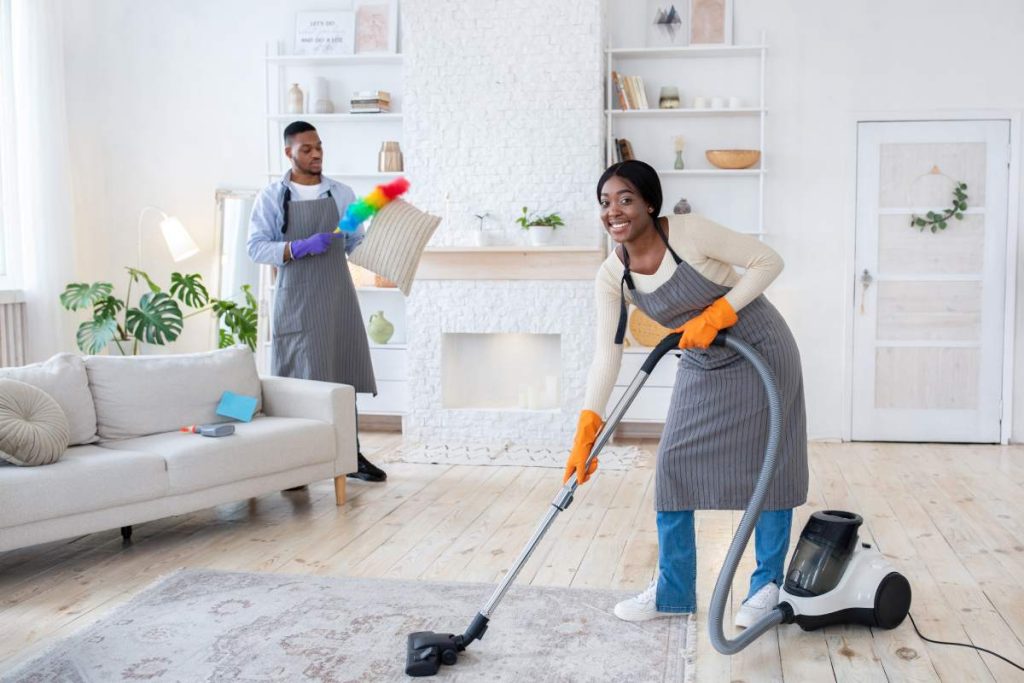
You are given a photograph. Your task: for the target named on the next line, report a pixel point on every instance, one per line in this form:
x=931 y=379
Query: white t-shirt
x=304 y=193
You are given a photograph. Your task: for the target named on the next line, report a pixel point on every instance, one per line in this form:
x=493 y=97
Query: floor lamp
x=179 y=242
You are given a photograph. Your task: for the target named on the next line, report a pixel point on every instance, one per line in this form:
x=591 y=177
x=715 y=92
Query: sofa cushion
x=86 y=478
x=139 y=395
x=63 y=377
x=395 y=241
x=33 y=429
x=267 y=445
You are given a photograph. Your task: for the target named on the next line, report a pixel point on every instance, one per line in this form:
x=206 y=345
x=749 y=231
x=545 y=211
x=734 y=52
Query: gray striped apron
x=318 y=327
x=717 y=426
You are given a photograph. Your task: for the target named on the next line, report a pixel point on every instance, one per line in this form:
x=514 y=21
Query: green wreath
x=939 y=221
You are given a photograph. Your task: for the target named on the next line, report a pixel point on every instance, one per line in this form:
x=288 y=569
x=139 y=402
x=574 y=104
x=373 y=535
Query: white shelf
x=378 y=289
x=673 y=113
x=339 y=118
x=355 y=60
x=509 y=248
x=688 y=51
x=341 y=174
x=750 y=172
x=390 y=347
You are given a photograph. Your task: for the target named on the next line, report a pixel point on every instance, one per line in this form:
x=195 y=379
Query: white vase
x=295 y=99
x=541 y=235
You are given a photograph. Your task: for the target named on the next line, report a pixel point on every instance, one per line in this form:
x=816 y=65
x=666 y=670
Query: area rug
x=611 y=457
x=199 y=625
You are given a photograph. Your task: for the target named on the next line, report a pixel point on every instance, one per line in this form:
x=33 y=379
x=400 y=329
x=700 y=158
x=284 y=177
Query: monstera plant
x=157 y=317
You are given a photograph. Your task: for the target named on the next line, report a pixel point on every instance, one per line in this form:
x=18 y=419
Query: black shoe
x=368 y=471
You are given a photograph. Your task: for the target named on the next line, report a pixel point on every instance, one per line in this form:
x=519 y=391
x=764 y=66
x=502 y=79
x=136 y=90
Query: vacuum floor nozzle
x=427 y=651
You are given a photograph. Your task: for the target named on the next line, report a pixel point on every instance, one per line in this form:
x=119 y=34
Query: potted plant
x=541 y=227
x=157 y=317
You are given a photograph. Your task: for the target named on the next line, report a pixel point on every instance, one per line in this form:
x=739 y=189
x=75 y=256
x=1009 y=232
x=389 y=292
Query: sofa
x=129 y=463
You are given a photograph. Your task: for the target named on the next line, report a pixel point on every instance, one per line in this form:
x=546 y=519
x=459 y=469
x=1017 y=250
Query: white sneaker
x=642 y=607
x=757 y=605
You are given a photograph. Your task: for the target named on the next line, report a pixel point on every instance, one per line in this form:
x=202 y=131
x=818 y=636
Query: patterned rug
x=199 y=625
x=611 y=457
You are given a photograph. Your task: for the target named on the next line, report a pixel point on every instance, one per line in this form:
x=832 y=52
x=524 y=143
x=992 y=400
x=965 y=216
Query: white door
x=929 y=306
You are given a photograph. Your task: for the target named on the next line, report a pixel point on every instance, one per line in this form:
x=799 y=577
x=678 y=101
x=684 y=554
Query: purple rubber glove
x=317 y=244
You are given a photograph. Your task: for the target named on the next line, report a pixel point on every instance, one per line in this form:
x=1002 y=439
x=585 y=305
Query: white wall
x=829 y=60
x=165 y=102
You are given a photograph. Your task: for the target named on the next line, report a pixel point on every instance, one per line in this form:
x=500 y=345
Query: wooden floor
x=950 y=517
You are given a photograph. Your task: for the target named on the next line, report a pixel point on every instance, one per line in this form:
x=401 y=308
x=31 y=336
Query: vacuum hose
x=746 y=527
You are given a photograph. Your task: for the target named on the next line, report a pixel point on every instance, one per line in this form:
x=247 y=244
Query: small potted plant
x=541 y=227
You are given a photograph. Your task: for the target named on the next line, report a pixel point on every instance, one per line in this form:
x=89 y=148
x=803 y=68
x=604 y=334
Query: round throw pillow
x=33 y=428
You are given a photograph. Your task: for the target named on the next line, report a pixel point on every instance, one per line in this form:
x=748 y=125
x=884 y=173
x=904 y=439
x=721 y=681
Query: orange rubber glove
x=586 y=434
x=700 y=331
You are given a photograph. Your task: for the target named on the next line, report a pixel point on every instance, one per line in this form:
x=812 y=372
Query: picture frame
x=376 y=26
x=667 y=23
x=710 y=22
x=325 y=33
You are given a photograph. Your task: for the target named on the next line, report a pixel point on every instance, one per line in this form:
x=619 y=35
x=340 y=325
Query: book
x=617 y=85
x=625 y=149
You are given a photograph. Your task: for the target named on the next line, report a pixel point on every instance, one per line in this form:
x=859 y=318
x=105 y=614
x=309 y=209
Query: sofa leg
x=126 y=534
x=339 y=490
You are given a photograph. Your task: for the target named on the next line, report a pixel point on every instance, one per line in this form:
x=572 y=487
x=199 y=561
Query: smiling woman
x=679 y=270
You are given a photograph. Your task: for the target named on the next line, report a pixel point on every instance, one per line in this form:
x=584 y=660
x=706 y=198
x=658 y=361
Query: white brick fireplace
x=512 y=118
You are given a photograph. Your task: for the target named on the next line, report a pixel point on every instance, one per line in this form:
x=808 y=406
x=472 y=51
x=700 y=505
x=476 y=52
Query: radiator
x=12 y=334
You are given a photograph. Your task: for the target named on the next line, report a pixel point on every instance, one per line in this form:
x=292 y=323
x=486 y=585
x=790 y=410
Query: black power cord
x=973 y=647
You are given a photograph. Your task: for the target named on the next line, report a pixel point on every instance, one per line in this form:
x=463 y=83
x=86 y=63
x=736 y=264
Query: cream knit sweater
x=712 y=250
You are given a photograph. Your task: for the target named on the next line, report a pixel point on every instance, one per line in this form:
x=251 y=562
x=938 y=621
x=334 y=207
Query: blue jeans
x=677 y=557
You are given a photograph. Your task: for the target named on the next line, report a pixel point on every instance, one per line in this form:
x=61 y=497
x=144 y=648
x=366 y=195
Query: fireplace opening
x=501 y=371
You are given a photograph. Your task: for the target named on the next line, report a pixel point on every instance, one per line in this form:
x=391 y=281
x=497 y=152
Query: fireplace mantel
x=510 y=263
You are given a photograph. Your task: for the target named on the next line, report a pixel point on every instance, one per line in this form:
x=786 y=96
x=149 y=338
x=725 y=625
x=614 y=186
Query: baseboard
x=639 y=430
x=380 y=423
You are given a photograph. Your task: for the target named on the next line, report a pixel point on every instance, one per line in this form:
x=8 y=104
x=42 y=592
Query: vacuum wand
x=426 y=650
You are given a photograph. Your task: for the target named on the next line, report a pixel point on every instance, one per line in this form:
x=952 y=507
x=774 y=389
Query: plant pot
x=541 y=235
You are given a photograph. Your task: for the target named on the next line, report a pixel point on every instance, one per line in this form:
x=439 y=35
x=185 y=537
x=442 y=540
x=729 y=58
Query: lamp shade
x=179 y=242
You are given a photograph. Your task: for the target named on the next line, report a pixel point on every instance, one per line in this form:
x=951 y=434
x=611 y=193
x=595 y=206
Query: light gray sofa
x=129 y=463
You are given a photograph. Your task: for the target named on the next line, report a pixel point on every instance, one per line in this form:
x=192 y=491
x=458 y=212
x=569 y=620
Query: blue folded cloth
x=237 y=406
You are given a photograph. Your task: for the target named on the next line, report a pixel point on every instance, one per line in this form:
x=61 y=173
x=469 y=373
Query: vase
x=682 y=207
x=321 y=98
x=679 y=160
x=380 y=329
x=390 y=158
x=541 y=235
x=295 y=99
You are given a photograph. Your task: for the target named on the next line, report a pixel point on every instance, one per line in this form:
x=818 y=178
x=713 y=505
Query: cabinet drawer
x=392 y=399
x=650 y=405
x=389 y=364
x=664 y=374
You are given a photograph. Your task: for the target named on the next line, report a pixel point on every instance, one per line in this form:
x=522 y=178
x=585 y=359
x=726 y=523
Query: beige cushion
x=63 y=378
x=33 y=429
x=139 y=395
x=86 y=478
x=395 y=242
x=267 y=445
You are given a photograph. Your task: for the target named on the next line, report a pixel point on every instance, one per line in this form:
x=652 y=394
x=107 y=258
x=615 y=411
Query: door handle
x=865 y=281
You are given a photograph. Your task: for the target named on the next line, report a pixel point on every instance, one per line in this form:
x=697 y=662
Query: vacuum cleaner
x=832 y=578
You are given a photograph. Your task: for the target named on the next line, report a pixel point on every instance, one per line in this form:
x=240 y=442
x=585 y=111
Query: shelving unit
x=733 y=197
x=351 y=146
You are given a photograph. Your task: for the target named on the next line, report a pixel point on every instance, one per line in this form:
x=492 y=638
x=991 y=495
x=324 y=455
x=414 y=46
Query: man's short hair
x=294 y=129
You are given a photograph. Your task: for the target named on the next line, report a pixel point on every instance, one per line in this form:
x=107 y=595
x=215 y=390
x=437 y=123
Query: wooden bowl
x=733 y=158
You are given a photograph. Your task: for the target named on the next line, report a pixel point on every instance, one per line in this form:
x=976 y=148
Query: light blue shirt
x=266 y=242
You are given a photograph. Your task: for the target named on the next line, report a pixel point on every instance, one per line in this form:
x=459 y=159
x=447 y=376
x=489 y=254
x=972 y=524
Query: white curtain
x=36 y=154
